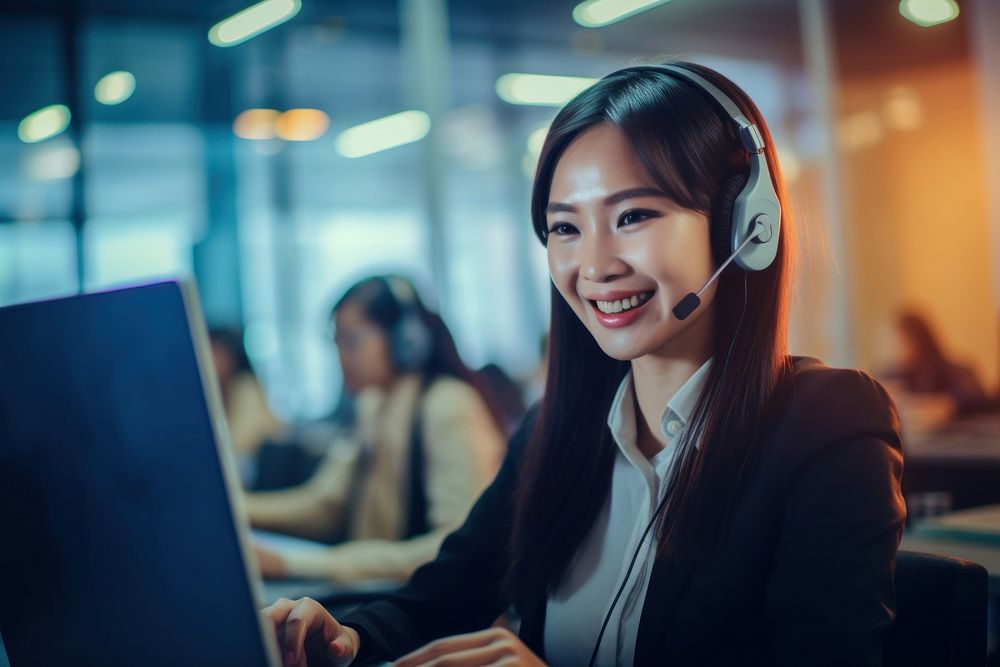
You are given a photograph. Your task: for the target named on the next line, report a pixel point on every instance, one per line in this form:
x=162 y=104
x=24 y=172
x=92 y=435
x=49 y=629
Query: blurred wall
x=918 y=215
x=914 y=186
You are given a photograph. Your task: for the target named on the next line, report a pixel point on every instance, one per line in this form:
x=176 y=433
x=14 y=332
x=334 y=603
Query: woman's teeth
x=623 y=304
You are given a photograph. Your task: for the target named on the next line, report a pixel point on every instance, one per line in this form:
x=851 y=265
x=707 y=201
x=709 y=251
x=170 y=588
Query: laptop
x=121 y=538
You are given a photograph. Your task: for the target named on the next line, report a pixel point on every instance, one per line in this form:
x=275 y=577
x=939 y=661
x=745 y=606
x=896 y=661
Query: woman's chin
x=622 y=350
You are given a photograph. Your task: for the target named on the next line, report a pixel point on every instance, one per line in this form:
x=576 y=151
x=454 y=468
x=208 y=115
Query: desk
x=973 y=439
x=961 y=460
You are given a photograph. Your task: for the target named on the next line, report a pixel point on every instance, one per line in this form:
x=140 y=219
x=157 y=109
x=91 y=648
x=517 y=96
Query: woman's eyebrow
x=630 y=193
x=558 y=207
x=633 y=193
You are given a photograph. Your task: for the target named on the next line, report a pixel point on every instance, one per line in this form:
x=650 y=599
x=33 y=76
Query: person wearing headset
x=428 y=441
x=687 y=493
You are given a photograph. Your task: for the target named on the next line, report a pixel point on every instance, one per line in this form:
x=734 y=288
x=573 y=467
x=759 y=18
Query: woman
x=427 y=444
x=923 y=368
x=688 y=494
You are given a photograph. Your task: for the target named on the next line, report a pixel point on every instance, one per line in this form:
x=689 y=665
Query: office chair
x=940 y=612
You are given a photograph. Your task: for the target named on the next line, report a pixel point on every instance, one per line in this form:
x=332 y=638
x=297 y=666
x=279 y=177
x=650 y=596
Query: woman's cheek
x=562 y=272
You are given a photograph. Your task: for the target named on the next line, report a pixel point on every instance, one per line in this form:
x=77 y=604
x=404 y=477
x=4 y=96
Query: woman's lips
x=624 y=316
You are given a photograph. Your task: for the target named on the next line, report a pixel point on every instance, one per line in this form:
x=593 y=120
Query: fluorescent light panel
x=927 y=13
x=383 y=134
x=598 y=13
x=256 y=124
x=252 y=21
x=540 y=89
x=44 y=123
x=301 y=124
x=114 y=88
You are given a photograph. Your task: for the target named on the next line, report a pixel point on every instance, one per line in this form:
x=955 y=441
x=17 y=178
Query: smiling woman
x=611 y=241
x=687 y=492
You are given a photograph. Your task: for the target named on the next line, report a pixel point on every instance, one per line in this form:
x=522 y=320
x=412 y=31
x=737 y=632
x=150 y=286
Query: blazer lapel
x=666 y=586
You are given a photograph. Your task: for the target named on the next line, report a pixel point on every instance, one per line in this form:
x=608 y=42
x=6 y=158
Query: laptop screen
x=118 y=543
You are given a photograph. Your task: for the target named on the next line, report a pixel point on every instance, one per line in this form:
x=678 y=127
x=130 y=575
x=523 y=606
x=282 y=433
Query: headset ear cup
x=411 y=343
x=410 y=340
x=721 y=220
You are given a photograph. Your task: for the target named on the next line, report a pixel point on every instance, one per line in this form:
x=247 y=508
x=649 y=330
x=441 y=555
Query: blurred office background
x=142 y=139
x=157 y=152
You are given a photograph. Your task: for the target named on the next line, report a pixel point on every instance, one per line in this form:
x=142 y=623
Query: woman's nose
x=600 y=260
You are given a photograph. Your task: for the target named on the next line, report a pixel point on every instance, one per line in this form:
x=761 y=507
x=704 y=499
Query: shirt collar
x=621 y=416
x=682 y=403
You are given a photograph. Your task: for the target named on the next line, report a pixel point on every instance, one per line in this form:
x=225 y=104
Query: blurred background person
x=427 y=441
x=505 y=392
x=931 y=387
x=250 y=420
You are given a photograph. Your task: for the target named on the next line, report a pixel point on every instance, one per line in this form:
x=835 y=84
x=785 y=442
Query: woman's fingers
x=305 y=618
x=276 y=615
x=309 y=635
x=278 y=612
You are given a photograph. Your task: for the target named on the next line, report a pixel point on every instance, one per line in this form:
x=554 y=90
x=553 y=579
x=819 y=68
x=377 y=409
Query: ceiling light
x=44 y=123
x=257 y=124
x=114 y=88
x=301 y=124
x=252 y=21
x=597 y=13
x=928 y=12
x=383 y=134
x=540 y=89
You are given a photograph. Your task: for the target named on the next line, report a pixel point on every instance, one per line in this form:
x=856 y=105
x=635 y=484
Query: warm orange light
x=256 y=124
x=302 y=124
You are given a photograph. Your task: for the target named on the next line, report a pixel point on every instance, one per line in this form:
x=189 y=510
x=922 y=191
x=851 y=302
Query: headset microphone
x=687 y=305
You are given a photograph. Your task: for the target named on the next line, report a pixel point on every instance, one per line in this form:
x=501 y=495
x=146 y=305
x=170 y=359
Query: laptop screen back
x=118 y=543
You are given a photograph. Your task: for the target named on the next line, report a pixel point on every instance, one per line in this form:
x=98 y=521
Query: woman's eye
x=634 y=217
x=562 y=229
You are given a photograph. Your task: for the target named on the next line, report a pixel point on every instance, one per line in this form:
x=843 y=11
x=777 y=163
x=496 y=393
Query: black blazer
x=805 y=576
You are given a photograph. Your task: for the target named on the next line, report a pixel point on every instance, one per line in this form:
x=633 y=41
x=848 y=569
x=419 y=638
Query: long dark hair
x=382 y=306
x=690 y=148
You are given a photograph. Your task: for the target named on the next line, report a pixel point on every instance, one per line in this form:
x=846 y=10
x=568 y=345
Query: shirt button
x=673 y=426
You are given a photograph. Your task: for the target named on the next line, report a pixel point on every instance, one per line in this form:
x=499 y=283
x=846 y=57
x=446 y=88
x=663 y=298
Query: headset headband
x=748 y=133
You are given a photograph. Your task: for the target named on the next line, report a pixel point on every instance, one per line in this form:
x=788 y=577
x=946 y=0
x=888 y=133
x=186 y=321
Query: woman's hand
x=271 y=565
x=493 y=647
x=308 y=635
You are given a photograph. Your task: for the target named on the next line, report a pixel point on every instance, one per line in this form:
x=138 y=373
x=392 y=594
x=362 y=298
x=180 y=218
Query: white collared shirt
x=575 y=613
